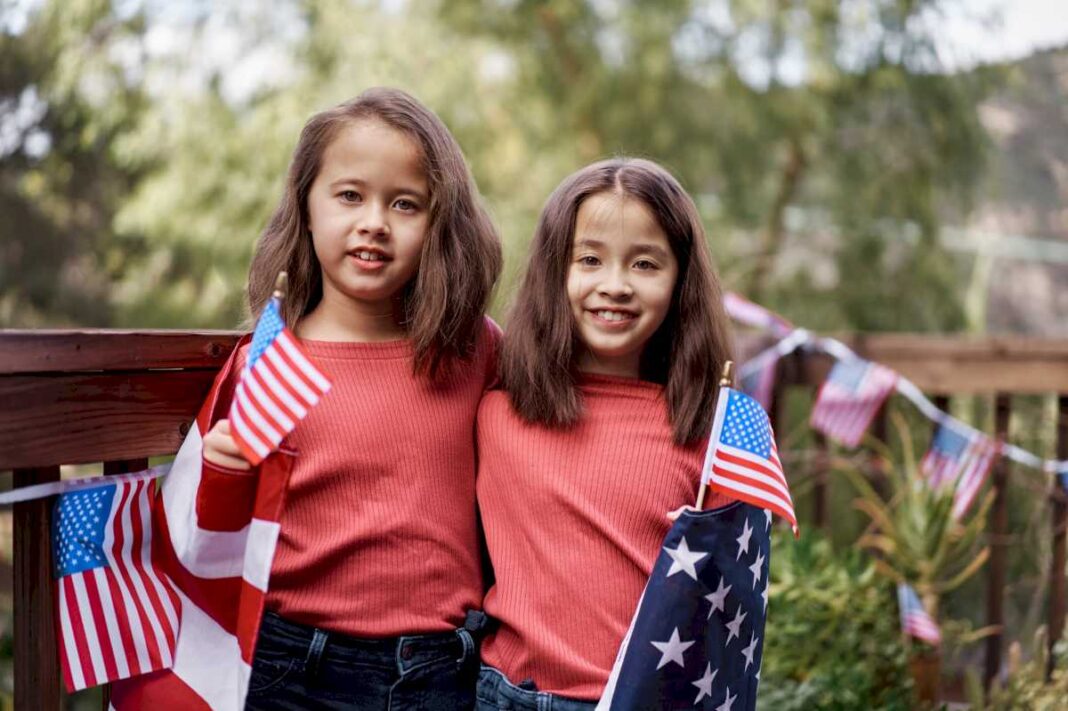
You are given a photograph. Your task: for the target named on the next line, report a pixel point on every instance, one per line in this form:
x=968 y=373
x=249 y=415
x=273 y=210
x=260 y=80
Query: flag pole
x=280 y=284
x=724 y=381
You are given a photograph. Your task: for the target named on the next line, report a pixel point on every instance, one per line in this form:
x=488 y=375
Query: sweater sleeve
x=226 y=496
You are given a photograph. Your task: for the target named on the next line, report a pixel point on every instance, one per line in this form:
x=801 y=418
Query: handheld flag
x=697 y=637
x=742 y=460
x=915 y=619
x=278 y=386
x=215 y=534
x=117 y=611
x=850 y=397
x=962 y=456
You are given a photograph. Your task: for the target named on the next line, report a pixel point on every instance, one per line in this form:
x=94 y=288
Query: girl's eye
x=589 y=260
x=645 y=264
x=349 y=195
x=405 y=205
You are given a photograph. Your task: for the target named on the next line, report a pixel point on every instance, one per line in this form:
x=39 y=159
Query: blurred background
x=866 y=165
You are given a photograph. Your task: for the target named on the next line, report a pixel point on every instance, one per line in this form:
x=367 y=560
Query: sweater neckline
x=595 y=383
x=399 y=348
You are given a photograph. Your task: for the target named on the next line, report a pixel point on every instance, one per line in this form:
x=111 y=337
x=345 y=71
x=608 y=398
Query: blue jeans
x=496 y=693
x=301 y=667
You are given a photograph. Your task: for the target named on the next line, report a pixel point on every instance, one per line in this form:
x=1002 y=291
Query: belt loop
x=468 y=643
x=315 y=654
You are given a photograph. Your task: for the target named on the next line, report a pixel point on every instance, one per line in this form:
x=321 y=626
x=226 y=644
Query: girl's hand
x=221 y=450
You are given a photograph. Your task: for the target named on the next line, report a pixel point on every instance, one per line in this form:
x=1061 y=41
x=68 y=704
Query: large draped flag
x=116 y=611
x=697 y=637
x=961 y=457
x=915 y=620
x=742 y=460
x=850 y=398
x=217 y=551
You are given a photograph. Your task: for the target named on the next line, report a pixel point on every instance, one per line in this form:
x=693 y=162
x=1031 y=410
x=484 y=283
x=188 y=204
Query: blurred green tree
x=69 y=86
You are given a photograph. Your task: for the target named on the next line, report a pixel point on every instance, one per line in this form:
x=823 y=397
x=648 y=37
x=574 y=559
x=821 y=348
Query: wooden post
x=997 y=533
x=819 y=488
x=36 y=660
x=1059 y=522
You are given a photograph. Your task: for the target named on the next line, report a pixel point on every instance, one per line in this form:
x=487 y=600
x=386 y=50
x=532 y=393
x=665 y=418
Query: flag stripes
x=742 y=460
x=915 y=620
x=849 y=399
x=117 y=616
x=277 y=388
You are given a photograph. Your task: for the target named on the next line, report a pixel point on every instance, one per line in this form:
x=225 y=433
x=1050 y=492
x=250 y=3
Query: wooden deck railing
x=117 y=398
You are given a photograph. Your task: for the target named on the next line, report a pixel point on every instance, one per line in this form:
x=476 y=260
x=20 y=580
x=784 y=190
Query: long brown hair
x=461 y=257
x=686 y=354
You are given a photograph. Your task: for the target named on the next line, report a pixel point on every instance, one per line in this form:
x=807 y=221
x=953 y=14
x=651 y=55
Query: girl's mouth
x=369 y=260
x=612 y=317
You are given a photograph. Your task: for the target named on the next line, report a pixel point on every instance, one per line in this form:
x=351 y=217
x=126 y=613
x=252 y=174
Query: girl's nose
x=373 y=220
x=615 y=284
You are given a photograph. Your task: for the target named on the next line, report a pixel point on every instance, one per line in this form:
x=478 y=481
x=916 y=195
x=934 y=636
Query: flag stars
x=734 y=627
x=747 y=652
x=671 y=650
x=727 y=702
x=756 y=568
x=764 y=595
x=718 y=598
x=767 y=515
x=683 y=559
x=743 y=540
x=704 y=684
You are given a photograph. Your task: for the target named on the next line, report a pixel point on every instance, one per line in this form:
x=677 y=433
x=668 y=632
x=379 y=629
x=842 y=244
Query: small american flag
x=742 y=460
x=697 y=637
x=278 y=386
x=850 y=397
x=962 y=457
x=758 y=378
x=117 y=612
x=914 y=617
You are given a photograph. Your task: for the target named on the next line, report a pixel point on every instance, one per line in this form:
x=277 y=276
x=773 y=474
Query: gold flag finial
x=280 y=285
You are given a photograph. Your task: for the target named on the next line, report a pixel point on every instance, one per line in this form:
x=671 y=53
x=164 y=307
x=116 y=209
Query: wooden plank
x=954 y=364
x=73 y=419
x=124 y=466
x=72 y=351
x=36 y=659
x=997 y=538
x=1058 y=590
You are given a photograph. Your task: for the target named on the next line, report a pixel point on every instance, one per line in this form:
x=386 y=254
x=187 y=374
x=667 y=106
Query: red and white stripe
x=979 y=458
x=273 y=396
x=746 y=476
x=220 y=577
x=121 y=619
x=844 y=414
x=920 y=625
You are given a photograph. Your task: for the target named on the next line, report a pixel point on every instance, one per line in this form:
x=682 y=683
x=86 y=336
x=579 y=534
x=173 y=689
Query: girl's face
x=369 y=211
x=620 y=282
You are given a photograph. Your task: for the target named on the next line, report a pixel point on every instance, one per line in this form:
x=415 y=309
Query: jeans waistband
x=313 y=645
x=493 y=683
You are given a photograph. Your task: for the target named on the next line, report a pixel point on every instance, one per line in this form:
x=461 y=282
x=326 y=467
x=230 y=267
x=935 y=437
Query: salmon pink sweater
x=574 y=519
x=379 y=533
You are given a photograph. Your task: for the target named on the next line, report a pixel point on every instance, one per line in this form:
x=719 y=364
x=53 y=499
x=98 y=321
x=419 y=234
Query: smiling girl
x=609 y=368
x=391 y=260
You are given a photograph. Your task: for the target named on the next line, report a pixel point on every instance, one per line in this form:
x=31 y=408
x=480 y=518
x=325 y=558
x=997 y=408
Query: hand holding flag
x=277 y=387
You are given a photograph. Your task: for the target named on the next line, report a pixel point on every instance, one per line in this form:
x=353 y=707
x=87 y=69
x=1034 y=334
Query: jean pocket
x=268 y=674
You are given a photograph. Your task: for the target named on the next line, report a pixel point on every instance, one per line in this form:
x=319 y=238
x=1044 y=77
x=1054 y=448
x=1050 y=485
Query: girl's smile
x=620 y=282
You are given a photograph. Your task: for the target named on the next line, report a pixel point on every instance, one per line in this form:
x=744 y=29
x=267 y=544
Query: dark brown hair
x=686 y=354
x=461 y=258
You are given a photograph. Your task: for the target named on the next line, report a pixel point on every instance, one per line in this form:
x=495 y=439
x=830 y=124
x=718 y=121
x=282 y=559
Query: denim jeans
x=301 y=667
x=496 y=693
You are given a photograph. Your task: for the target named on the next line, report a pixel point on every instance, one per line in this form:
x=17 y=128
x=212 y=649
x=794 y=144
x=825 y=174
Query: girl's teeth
x=368 y=256
x=612 y=315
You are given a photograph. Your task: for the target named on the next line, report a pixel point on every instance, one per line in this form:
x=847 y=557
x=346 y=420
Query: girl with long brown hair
x=391 y=260
x=609 y=370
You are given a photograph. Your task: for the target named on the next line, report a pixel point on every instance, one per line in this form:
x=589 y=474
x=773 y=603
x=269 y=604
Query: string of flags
x=960 y=456
x=915 y=620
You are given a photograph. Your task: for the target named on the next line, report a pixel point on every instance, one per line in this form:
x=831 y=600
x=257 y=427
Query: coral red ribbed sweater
x=379 y=534
x=574 y=520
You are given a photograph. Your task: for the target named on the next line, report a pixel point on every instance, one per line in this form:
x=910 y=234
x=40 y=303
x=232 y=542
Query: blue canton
x=267 y=329
x=78 y=524
x=949 y=442
x=746 y=426
x=848 y=375
x=697 y=638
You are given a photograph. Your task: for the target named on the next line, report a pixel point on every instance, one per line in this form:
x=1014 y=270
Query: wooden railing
x=117 y=398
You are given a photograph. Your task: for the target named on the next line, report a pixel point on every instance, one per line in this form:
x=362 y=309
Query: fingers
x=221 y=450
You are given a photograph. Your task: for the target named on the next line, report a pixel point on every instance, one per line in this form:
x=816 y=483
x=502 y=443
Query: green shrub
x=834 y=639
